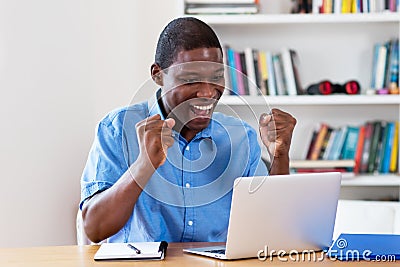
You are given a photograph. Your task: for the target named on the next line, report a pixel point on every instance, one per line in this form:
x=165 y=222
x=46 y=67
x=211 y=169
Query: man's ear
x=156 y=74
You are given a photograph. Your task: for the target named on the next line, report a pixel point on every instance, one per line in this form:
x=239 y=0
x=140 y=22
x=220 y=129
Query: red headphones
x=326 y=88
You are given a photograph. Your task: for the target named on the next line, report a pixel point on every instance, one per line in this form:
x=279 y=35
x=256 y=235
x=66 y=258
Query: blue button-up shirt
x=188 y=198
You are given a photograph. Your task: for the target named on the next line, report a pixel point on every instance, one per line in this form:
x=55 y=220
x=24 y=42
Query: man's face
x=192 y=85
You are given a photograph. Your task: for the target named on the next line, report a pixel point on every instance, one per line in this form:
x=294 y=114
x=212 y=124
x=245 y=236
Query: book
x=132 y=251
x=337 y=6
x=232 y=70
x=295 y=64
x=279 y=74
x=395 y=150
x=369 y=247
x=288 y=71
x=251 y=75
x=329 y=145
x=338 y=143
x=359 y=149
x=312 y=143
x=393 y=70
x=366 y=148
x=346 y=6
x=381 y=147
x=350 y=144
x=271 y=74
x=244 y=71
x=376 y=134
x=239 y=73
x=323 y=131
x=388 y=146
x=380 y=73
x=325 y=143
x=263 y=72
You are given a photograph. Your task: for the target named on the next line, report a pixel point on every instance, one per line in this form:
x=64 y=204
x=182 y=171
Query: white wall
x=63 y=65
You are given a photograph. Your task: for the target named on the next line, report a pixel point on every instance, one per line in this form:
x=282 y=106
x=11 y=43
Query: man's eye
x=217 y=78
x=189 y=80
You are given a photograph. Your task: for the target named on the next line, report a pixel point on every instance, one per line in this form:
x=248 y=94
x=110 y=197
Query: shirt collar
x=154 y=108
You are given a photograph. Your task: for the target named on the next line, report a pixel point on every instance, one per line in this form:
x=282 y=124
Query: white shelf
x=312 y=100
x=299 y=18
x=372 y=180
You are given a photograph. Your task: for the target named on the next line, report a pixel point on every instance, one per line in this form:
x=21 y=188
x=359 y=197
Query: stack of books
x=345 y=6
x=221 y=6
x=256 y=72
x=385 y=67
x=368 y=148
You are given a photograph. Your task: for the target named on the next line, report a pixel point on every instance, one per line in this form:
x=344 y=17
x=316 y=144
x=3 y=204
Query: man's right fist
x=154 y=137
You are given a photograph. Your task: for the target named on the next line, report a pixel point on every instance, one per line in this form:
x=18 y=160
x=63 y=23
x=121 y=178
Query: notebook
x=369 y=247
x=279 y=213
x=132 y=251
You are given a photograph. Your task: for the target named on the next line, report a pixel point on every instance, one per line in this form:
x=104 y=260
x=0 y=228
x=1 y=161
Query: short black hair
x=183 y=34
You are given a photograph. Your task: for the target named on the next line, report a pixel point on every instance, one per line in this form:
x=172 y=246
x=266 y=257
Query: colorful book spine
x=262 y=67
x=374 y=146
x=350 y=144
x=288 y=71
x=367 y=146
x=232 y=71
x=239 y=74
x=394 y=156
x=251 y=75
x=388 y=147
x=338 y=143
x=323 y=130
x=271 y=74
x=359 y=150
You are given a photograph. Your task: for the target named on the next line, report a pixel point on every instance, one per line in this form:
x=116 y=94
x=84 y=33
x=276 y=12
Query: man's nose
x=206 y=90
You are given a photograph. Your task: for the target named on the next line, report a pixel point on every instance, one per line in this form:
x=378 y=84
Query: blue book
x=232 y=71
x=369 y=247
x=338 y=144
x=388 y=148
x=350 y=143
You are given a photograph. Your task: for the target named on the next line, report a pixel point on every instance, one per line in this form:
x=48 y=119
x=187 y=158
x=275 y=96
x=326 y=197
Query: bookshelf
x=335 y=47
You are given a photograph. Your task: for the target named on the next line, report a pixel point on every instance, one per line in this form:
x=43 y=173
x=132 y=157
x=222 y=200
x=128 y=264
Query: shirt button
x=187 y=148
x=190 y=223
x=187 y=185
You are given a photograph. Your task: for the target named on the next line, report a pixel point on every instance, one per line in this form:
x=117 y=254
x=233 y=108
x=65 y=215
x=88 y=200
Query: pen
x=134 y=248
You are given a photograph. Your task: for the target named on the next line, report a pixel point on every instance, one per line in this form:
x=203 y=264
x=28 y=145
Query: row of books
x=221 y=7
x=372 y=146
x=345 y=6
x=385 y=66
x=257 y=72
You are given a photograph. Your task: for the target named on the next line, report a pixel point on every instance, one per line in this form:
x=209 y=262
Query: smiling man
x=164 y=169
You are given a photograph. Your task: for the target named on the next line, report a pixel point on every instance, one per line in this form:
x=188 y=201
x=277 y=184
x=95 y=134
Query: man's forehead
x=197 y=67
x=199 y=54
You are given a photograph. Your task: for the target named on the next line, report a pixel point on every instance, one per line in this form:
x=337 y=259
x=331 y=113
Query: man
x=164 y=169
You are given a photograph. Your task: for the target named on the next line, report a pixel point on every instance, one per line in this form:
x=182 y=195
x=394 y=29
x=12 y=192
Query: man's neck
x=183 y=130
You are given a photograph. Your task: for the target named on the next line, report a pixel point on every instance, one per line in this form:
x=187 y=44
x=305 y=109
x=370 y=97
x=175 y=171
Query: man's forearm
x=107 y=212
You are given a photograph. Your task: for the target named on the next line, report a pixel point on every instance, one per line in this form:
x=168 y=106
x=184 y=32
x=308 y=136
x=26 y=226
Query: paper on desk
x=115 y=251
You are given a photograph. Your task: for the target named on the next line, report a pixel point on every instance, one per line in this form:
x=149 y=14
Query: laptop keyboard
x=217 y=251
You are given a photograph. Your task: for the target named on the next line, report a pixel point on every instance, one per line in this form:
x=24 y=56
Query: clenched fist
x=276 y=131
x=154 y=137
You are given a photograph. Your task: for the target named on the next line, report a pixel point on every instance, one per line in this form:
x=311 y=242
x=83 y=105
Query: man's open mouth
x=202 y=110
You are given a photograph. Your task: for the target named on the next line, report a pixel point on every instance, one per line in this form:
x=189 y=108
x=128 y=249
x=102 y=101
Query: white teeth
x=203 y=107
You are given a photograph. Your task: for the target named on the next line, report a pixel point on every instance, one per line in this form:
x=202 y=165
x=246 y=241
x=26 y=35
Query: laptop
x=279 y=213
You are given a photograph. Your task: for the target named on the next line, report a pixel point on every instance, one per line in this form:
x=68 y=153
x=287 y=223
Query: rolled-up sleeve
x=105 y=163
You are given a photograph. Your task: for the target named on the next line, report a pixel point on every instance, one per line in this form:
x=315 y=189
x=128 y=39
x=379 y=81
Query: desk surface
x=68 y=256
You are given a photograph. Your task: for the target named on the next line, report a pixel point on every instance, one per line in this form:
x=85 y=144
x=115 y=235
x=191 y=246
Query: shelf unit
x=335 y=47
